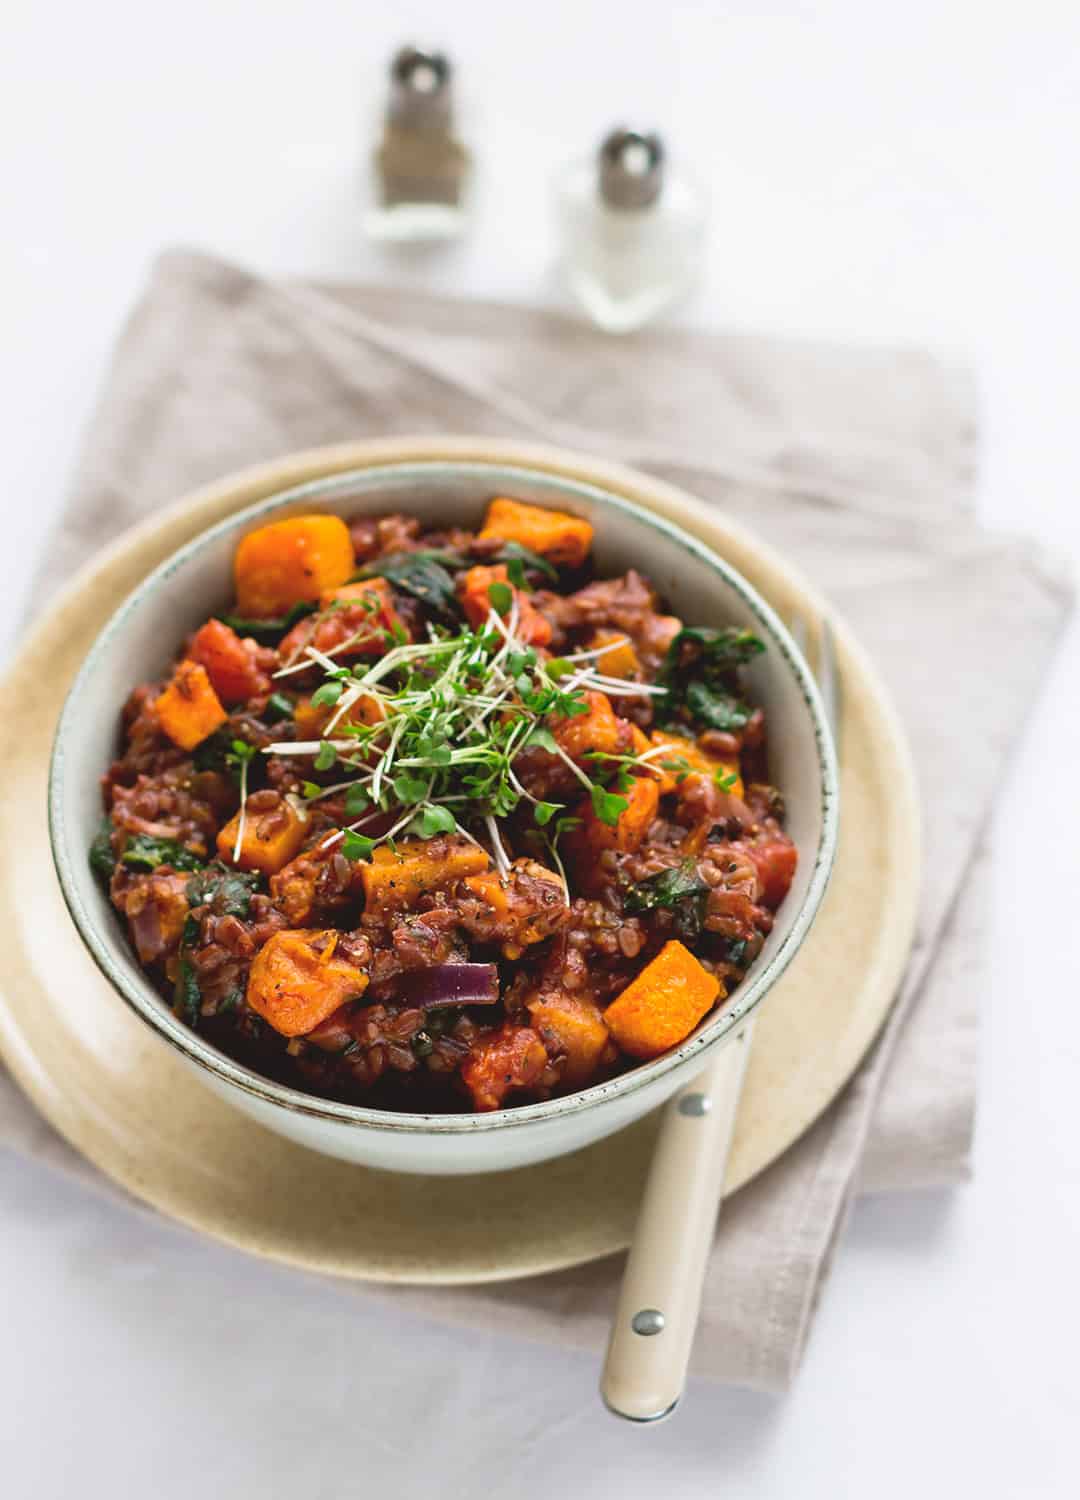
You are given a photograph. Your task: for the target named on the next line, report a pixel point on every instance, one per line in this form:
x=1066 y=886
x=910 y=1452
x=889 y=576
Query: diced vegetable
x=271 y=839
x=297 y=980
x=553 y=534
x=661 y=1007
x=628 y=833
x=358 y=619
x=189 y=710
x=775 y=861
x=511 y=1058
x=394 y=879
x=230 y=662
x=597 y=730
x=571 y=1026
x=289 y=562
x=312 y=718
x=619 y=659
x=694 y=761
x=452 y=984
x=481 y=589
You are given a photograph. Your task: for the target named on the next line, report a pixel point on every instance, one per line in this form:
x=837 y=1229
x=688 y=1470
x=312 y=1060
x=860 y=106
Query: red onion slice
x=452 y=984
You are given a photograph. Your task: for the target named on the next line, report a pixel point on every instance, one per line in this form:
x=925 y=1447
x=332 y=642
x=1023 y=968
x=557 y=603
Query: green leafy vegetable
x=716 y=708
x=327 y=695
x=102 y=856
x=146 y=852
x=277 y=707
x=501 y=596
x=423 y=574
x=543 y=812
x=356 y=799
x=512 y=553
x=680 y=890
x=229 y=892
x=701 y=672
x=326 y=757
x=433 y=820
x=187 y=997
x=607 y=805
x=268 y=632
x=355 y=845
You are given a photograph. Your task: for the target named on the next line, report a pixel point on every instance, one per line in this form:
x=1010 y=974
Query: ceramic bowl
x=139 y=641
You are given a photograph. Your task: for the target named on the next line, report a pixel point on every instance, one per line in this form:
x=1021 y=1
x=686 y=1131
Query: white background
x=895 y=173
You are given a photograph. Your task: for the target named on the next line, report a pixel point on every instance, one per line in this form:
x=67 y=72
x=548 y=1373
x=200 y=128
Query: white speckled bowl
x=141 y=638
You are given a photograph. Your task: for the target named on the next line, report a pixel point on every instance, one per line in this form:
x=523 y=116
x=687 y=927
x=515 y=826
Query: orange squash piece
x=312 y=718
x=533 y=628
x=619 y=658
x=393 y=880
x=555 y=535
x=570 y=1026
x=661 y=1007
x=511 y=1058
x=697 y=763
x=598 y=729
x=291 y=562
x=271 y=839
x=297 y=981
x=189 y=710
x=628 y=834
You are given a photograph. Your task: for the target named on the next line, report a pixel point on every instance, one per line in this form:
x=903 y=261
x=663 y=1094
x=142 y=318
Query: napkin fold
x=856 y=462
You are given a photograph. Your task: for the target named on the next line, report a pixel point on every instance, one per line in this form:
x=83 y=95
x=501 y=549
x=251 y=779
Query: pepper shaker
x=632 y=230
x=420 y=166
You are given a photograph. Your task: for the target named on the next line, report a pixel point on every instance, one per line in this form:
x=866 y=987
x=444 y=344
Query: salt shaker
x=632 y=231
x=420 y=166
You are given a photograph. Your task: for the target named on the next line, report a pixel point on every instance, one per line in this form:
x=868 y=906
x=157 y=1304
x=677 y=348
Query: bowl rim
x=147 y=1003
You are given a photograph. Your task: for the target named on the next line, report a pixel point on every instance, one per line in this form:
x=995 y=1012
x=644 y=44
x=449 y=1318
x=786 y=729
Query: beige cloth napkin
x=857 y=463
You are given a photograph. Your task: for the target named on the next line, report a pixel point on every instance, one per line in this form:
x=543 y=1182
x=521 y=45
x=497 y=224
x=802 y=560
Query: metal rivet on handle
x=695 y=1104
x=648 y=1321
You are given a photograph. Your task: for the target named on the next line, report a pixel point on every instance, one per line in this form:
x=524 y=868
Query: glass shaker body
x=627 y=264
x=420 y=167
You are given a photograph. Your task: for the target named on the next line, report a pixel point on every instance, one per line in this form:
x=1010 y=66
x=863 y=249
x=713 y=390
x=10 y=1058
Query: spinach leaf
x=716 y=708
x=146 y=852
x=701 y=671
x=680 y=890
x=269 y=632
x=187 y=997
x=102 y=857
x=422 y=574
x=513 y=552
x=667 y=888
x=229 y=892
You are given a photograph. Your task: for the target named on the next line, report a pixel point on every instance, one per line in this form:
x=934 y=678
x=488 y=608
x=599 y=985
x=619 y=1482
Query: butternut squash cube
x=297 y=980
x=554 y=534
x=397 y=879
x=661 y=1007
x=189 y=710
x=291 y=562
x=271 y=838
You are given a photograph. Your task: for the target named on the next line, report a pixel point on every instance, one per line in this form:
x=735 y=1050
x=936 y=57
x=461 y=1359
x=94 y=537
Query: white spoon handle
x=657 y=1313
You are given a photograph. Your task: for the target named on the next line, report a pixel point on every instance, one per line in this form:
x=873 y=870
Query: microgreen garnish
x=501 y=596
x=239 y=757
x=446 y=719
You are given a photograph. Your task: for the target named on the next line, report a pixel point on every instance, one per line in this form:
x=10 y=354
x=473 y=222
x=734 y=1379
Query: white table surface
x=902 y=173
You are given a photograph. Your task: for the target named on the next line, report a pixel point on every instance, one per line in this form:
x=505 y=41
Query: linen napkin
x=857 y=463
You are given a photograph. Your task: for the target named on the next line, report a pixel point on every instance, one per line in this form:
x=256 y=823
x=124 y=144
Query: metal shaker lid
x=631 y=168
x=420 y=89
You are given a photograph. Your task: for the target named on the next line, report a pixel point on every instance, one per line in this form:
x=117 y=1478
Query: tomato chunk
x=230 y=662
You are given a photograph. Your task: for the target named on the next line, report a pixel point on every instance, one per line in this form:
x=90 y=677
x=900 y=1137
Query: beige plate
x=127 y=1101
